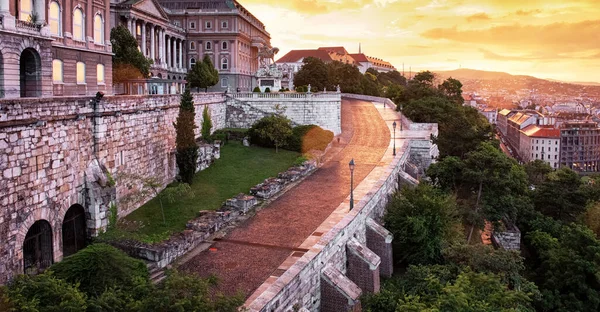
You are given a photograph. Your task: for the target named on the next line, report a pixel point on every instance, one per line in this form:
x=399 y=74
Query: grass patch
x=236 y=172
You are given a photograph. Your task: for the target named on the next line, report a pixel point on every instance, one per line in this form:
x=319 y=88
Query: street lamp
x=394 y=126
x=351 y=165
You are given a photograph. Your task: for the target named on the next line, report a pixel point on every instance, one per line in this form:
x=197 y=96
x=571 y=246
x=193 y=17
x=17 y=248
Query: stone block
x=363 y=266
x=338 y=292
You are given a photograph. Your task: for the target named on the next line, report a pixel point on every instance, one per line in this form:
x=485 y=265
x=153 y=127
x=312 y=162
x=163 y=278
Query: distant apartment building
x=293 y=61
x=580 y=146
x=519 y=121
x=491 y=114
x=502 y=120
x=540 y=142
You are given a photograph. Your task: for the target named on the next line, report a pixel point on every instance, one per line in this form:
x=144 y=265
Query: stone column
x=161 y=46
x=39 y=7
x=130 y=26
x=4 y=6
x=181 y=54
x=168 y=51
x=143 y=25
x=152 y=43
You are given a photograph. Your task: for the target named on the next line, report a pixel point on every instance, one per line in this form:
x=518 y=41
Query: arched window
x=57 y=71
x=224 y=45
x=224 y=63
x=25 y=9
x=100 y=73
x=192 y=45
x=192 y=62
x=54 y=19
x=80 y=72
x=208 y=45
x=78 y=27
x=98 y=29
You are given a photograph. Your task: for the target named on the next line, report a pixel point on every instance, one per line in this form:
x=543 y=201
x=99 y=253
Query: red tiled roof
x=338 y=50
x=297 y=55
x=541 y=131
x=505 y=112
x=380 y=62
x=359 y=57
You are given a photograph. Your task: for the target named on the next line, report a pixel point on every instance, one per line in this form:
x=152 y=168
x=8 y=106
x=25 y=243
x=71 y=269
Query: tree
x=537 y=171
x=44 y=293
x=187 y=148
x=347 y=76
x=452 y=89
x=423 y=222
x=313 y=72
x=128 y=61
x=206 y=123
x=561 y=196
x=99 y=267
x=203 y=74
x=368 y=85
x=276 y=128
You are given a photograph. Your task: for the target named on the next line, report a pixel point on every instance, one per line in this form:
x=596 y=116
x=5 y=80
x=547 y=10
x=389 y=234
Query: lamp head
x=394 y=125
x=351 y=164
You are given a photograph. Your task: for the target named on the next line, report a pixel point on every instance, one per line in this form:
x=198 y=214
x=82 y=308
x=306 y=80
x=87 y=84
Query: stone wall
x=59 y=152
x=321 y=109
x=308 y=279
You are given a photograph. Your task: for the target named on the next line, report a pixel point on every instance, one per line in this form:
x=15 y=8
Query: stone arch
x=30 y=73
x=38 y=247
x=74 y=230
x=160 y=75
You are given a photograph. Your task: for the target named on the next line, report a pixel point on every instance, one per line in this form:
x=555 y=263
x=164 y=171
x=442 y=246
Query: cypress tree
x=187 y=148
x=206 y=124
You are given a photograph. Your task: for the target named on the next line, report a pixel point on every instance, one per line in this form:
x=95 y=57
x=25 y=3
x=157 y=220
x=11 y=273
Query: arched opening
x=30 y=71
x=37 y=248
x=74 y=231
x=159 y=75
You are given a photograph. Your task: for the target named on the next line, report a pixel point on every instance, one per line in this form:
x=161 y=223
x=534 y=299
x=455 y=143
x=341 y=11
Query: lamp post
x=394 y=126
x=351 y=165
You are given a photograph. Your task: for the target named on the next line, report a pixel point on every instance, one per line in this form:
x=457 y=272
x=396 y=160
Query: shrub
x=187 y=148
x=99 y=267
x=271 y=131
x=309 y=137
x=268 y=90
x=236 y=134
x=256 y=89
x=206 y=124
x=180 y=292
x=42 y=292
x=302 y=89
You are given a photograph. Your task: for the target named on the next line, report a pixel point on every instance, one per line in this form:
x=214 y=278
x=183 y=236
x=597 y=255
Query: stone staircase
x=157 y=274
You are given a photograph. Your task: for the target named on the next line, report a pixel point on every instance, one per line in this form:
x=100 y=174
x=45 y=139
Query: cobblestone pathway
x=251 y=253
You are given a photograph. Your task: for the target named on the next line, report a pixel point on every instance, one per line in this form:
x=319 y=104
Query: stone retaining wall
x=323 y=110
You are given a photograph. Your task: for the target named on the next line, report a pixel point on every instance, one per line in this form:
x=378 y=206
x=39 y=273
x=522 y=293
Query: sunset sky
x=557 y=39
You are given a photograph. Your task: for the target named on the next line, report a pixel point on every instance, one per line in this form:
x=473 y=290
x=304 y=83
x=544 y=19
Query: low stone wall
x=207 y=154
x=321 y=109
x=201 y=228
x=508 y=239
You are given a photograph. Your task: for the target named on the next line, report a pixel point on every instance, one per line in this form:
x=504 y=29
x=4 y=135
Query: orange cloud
x=478 y=17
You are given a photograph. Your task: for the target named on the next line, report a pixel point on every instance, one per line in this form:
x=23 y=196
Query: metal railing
x=27 y=25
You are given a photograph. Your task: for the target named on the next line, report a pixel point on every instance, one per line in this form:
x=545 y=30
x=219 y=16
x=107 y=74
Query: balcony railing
x=27 y=25
x=276 y=95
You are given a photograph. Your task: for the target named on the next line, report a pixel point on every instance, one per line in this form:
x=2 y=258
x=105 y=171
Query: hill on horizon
x=465 y=73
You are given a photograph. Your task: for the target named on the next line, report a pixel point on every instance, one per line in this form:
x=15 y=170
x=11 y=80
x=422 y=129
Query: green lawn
x=236 y=172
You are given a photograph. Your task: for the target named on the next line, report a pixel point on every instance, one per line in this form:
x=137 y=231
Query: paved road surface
x=251 y=253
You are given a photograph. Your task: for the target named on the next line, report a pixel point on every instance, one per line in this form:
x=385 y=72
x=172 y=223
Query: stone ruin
x=509 y=238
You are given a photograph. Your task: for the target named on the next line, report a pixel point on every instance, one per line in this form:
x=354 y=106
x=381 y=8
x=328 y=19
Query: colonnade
x=164 y=49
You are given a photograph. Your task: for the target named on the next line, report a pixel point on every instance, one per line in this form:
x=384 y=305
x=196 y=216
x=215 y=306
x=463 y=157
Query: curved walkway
x=252 y=252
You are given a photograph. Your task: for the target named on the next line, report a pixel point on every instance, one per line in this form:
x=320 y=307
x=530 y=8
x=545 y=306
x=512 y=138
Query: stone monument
x=268 y=75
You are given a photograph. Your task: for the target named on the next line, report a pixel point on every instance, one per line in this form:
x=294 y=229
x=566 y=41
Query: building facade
x=540 y=143
x=54 y=48
x=225 y=31
x=580 y=146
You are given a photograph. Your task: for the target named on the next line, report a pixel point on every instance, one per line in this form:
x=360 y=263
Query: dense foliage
x=128 y=62
x=203 y=74
x=187 y=148
x=302 y=138
x=111 y=281
x=309 y=137
x=100 y=266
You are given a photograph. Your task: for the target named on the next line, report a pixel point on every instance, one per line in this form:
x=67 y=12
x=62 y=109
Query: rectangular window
x=100 y=73
x=224 y=82
x=224 y=24
x=25 y=9
x=57 y=71
x=208 y=25
x=192 y=25
x=80 y=73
